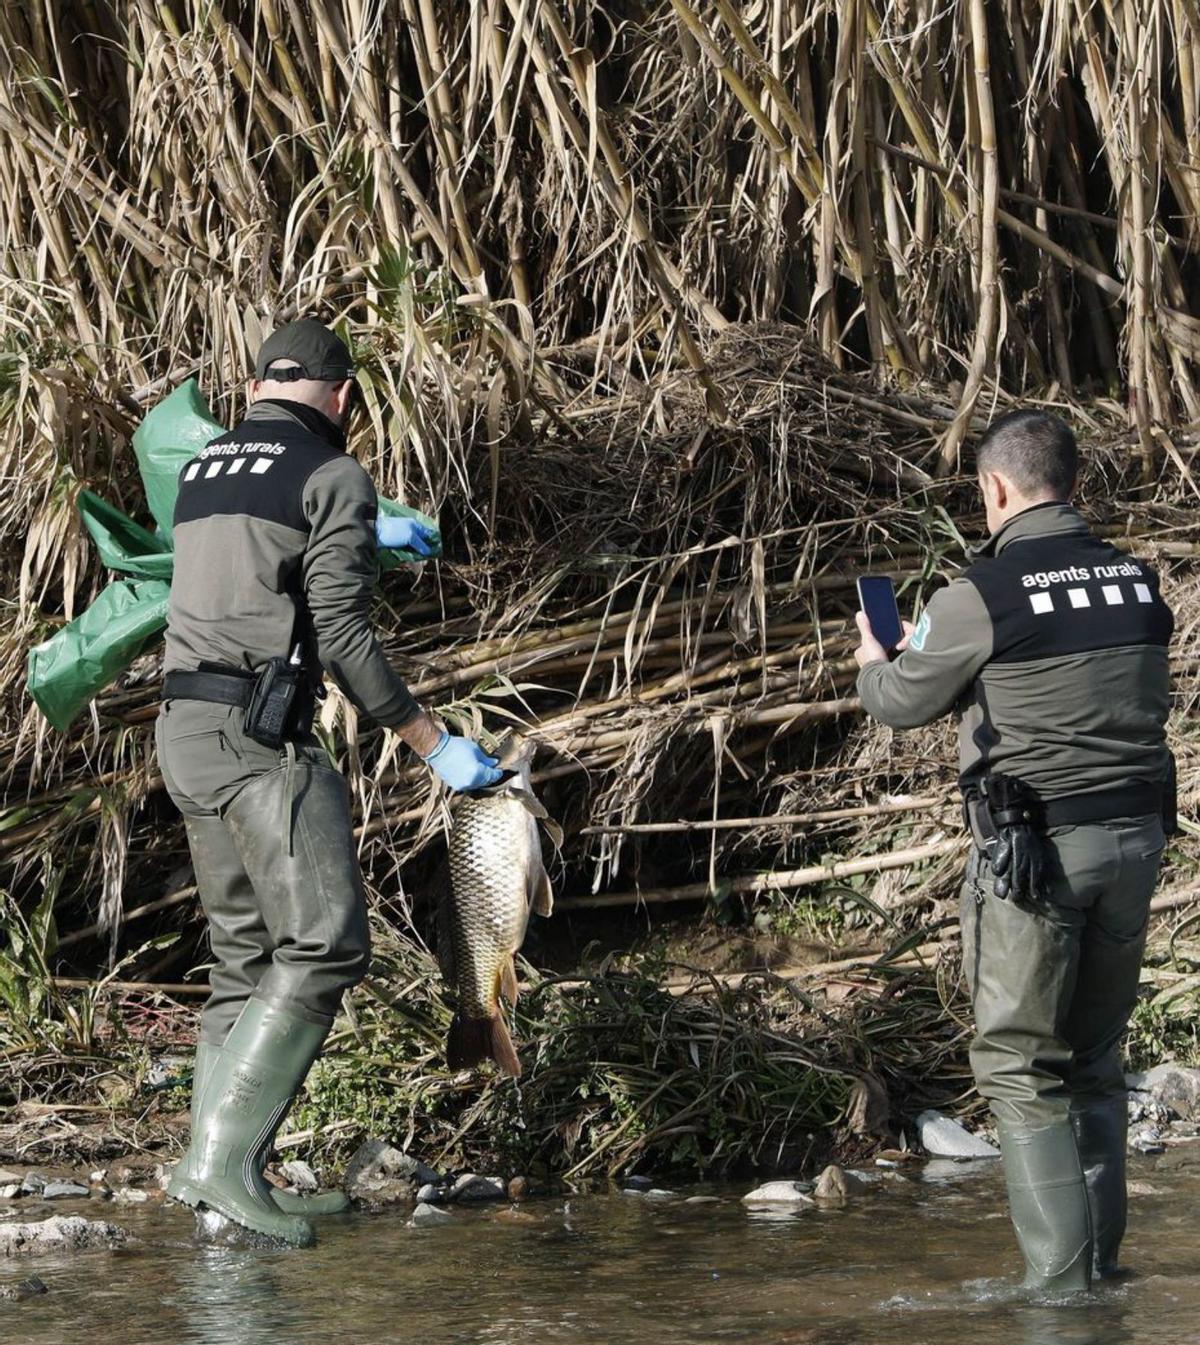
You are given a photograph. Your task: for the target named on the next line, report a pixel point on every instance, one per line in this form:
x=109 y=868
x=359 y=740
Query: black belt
x=1074 y=810
x=231 y=688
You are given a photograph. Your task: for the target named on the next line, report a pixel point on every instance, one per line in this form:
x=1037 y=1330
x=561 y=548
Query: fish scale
x=489 y=860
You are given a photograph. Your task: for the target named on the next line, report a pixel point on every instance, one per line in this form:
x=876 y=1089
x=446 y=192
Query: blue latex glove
x=463 y=764
x=407 y=534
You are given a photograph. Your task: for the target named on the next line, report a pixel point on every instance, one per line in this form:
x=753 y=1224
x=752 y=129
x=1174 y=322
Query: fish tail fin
x=473 y=1040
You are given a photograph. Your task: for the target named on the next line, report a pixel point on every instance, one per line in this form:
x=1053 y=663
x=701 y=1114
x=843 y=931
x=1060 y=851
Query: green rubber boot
x=311 y=1207
x=1048 y=1201
x=1101 y=1130
x=250 y=1085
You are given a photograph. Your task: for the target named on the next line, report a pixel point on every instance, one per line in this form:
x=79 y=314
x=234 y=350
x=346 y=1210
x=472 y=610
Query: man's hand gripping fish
x=497 y=878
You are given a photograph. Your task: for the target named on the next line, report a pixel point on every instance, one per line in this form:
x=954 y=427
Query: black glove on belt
x=1018 y=856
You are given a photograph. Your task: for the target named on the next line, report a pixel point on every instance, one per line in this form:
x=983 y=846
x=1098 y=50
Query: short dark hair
x=1034 y=449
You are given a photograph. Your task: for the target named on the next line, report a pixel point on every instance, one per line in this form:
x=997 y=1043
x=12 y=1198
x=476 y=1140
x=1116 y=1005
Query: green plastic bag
x=172 y=433
x=65 y=672
x=80 y=660
x=123 y=544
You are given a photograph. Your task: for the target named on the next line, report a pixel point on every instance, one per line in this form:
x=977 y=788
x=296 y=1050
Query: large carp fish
x=497 y=878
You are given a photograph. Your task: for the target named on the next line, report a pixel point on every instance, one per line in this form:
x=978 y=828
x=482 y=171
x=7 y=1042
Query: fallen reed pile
x=669 y=615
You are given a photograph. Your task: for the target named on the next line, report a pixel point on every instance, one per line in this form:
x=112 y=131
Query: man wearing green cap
x=276 y=533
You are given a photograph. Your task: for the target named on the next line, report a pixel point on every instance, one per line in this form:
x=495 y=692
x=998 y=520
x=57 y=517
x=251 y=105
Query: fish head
x=515 y=754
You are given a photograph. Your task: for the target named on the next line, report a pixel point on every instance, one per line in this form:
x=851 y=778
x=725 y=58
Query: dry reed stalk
x=589 y=255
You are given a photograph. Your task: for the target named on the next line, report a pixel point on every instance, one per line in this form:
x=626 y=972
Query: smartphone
x=877 y=597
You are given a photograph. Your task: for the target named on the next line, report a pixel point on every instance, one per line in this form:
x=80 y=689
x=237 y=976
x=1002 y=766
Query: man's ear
x=343 y=395
x=254 y=390
x=995 y=489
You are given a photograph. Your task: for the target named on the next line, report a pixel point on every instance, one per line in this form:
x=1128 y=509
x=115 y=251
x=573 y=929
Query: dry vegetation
x=677 y=316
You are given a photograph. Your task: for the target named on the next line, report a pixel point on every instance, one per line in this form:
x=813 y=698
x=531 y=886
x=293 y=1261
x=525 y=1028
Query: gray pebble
x=30 y=1287
x=470 y=1187
x=65 y=1191
x=130 y=1195
x=780 y=1193
x=430 y=1214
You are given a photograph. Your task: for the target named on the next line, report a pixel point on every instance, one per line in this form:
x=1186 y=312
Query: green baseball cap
x=311 y=347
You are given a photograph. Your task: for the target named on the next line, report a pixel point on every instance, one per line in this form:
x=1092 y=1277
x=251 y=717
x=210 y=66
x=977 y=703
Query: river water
x=920 y=1258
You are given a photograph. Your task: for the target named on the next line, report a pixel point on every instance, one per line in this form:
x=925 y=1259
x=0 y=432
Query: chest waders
x=272 y=841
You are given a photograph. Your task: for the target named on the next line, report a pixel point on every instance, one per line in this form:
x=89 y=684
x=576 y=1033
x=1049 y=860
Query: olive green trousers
x=1053 y=982
x=277 y=870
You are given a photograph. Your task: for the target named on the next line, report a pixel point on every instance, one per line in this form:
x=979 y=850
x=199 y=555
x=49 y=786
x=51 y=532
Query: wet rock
x=1146 y=1138
x=780 y=1193
x=33 y=1184
x=835 y=1185
x=31 y=1287
x=62 y=1233
x=638 y=1184
x=430 y=1214
x=60 y=1190
x=430 y=1193
x=131 y=1195
x=380 y=1174
x=703 y=1200
x=7 y=1177
x=470 y=1189
x=10 y=1191
x=518 y=1188
x=943 y=1137
x=299 y=1174
x=1174 y=1086
x=1146 y=1107
x=508 y=1215
x=659 y=1193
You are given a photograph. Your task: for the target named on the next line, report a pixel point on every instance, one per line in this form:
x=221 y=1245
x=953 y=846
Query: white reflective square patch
x=1143 y=592
x=1113 y=595
x=214 y=469
x=1041 y=602
x=261 y=465
x=1079 y=597
x=192 y=472
x=236 y=466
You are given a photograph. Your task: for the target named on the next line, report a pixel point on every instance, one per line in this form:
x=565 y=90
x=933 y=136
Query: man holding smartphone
x=1052 y=648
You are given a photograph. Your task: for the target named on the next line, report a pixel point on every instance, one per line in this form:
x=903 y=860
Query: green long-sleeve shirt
x=274 y=545
x=1052 y=648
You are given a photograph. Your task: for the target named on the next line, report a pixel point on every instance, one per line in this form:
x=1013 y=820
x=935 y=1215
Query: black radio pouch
x=270 y=716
